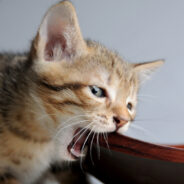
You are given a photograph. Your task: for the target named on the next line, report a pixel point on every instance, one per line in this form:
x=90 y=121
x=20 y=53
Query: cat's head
x=83 y=85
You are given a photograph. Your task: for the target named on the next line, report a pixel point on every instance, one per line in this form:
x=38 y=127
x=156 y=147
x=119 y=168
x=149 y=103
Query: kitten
x=64 y=87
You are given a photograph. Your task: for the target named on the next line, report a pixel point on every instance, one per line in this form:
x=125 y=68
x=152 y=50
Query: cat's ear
x=145 y=69
x=59 y=35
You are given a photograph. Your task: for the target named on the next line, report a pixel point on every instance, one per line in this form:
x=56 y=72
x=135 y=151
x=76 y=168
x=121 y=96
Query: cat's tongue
x=76 y=148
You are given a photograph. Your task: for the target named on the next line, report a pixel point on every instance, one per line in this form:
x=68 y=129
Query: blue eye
x=98 y=92
x=129 y=106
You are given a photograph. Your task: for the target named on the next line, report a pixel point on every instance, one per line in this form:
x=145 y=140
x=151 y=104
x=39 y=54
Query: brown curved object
x=138 y=162
x=124 y=144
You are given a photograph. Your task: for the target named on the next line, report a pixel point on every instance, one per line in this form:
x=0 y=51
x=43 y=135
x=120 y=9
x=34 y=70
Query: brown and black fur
x=42 y=90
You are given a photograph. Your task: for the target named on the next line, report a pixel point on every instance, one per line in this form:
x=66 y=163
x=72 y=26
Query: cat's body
x=22 y=154
x=21 y=151
x=64 y=83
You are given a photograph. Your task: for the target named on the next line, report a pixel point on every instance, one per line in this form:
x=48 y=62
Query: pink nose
x=119 y=121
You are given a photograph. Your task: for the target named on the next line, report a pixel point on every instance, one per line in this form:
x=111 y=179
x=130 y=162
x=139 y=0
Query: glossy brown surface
x=138 y=162
x=120 y=143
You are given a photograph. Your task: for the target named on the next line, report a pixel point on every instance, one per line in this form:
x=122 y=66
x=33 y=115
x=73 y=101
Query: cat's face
x=84 y=87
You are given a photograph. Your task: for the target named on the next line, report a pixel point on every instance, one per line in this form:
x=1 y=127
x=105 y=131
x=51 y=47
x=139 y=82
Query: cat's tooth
x=75 y=153
x=79 y=154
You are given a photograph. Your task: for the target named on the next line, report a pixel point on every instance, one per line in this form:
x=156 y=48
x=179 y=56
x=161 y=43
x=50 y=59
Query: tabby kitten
x=64 y=87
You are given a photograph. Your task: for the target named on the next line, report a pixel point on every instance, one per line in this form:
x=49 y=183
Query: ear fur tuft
x=145 y=69
x=59 y=36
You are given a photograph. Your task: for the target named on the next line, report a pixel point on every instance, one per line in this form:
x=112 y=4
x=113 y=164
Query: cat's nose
x=119 y=121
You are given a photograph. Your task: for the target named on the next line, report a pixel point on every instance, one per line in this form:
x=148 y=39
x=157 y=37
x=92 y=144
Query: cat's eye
x=98 y=92
x=129 y=106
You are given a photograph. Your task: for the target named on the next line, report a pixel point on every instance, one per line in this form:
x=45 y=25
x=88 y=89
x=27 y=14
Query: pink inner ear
x=53 y=42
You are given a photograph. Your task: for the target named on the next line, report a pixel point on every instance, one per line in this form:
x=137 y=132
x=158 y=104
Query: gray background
x=140 y=30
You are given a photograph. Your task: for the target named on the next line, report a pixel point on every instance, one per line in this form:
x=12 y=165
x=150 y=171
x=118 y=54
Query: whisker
x=68 y=120
x=68 y=126
x=81 y=130
x=149 y=119
x=149 y=96
x=78 y=122
x=91 y=147
x=163 y=119
x=87 y=139
x=82 y=149
x=85 y=130
x=106 y=141
x=98 y=146
x=144 y=100
x=72 y=118
x=81 y=115
x=145 y=131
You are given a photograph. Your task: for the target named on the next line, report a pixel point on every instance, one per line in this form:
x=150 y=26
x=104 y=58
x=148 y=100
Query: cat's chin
x=78 y=146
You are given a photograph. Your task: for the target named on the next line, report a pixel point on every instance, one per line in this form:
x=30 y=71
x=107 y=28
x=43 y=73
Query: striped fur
x=47 y=89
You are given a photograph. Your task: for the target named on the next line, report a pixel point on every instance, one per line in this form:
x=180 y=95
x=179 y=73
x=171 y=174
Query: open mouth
x=81 y=139
x=76 y=148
